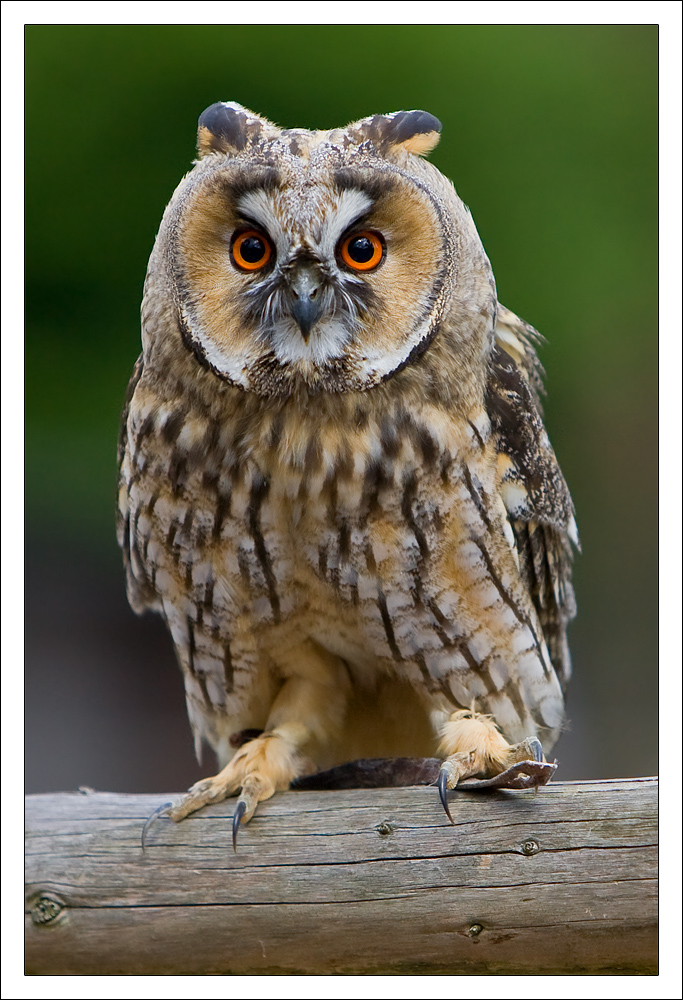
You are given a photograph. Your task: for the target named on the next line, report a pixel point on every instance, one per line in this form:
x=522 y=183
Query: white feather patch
x=327 y=340
x=515 y=498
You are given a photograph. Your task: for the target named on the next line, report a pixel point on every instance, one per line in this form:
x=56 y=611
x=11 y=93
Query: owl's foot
x=475 y=746
x=260 y=768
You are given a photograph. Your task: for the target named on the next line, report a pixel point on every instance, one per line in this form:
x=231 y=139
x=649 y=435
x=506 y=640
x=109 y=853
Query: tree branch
x=352 y=882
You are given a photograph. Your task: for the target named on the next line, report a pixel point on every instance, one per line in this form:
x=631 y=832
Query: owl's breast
x=391 y=551
x=413 y=571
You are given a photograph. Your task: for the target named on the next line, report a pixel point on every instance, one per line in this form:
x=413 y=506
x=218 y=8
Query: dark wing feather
x=533 y=488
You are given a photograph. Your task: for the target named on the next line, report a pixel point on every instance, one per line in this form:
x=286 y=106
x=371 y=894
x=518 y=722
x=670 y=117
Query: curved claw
x=240 y=810
x=159 y=811
x=442 y=783
x=537 y=749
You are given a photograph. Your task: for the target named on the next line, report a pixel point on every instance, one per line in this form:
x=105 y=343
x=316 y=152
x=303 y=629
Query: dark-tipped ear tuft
x=413 y=131
x=227 y=127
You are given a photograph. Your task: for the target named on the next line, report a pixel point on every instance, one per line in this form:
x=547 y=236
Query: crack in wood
x=341 y=902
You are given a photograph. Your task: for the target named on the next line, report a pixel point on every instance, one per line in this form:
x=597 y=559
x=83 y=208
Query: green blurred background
x=550 y=135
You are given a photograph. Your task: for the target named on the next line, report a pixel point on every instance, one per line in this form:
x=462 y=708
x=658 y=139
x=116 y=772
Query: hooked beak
x=305 y=284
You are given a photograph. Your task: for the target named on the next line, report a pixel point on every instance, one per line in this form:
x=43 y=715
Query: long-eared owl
x=335 y=482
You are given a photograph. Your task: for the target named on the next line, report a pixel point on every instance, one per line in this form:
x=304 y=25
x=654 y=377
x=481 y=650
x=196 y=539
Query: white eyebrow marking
x=352 y=205
x=259 y=206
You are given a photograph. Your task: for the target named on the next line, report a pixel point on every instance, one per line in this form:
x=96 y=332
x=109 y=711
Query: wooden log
x=355 y=882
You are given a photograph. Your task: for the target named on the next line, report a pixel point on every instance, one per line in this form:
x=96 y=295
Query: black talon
x=157 y=812
x=443 y=792
x=240 y=810
x=537 y=749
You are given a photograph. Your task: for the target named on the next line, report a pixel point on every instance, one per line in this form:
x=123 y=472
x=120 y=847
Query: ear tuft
x=227 y=127
x=415 y=132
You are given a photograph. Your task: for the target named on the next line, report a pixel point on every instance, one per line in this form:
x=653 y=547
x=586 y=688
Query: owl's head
x=324 y=260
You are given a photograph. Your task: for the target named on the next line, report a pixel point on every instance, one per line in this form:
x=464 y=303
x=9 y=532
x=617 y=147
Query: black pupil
x=361 y=250
x=252 y=249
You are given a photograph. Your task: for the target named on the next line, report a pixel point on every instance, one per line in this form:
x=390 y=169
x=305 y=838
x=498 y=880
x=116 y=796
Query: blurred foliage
x=550 y=135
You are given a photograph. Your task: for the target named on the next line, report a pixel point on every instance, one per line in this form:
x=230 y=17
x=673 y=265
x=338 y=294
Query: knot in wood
x=45 y=910
x=385 y=828
x=530 y=847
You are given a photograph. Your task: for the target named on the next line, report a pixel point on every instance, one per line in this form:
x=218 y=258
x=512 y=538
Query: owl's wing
x=130 y=389
x=533 y=488
x=141 y=594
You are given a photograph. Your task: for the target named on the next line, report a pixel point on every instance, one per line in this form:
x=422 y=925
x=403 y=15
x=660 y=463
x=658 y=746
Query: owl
x=335 y=482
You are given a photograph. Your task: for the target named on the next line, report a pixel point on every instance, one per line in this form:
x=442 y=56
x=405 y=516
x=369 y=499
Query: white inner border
x=14 y=16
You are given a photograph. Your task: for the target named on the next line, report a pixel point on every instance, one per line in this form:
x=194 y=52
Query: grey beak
x=305 y=283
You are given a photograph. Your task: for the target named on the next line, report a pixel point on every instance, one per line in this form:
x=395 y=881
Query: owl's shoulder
x=532 y=483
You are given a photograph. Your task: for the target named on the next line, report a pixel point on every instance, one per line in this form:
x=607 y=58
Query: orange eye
x=251 y=250
x=362 y=251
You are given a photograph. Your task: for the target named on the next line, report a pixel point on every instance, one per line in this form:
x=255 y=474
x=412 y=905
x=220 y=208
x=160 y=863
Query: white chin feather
x=327 y=340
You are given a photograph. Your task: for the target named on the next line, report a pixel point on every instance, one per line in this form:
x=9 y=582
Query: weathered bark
x=348 y=882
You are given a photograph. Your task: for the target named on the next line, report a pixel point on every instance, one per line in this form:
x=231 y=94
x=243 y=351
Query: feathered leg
x=311 y=703
x=473 y=745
